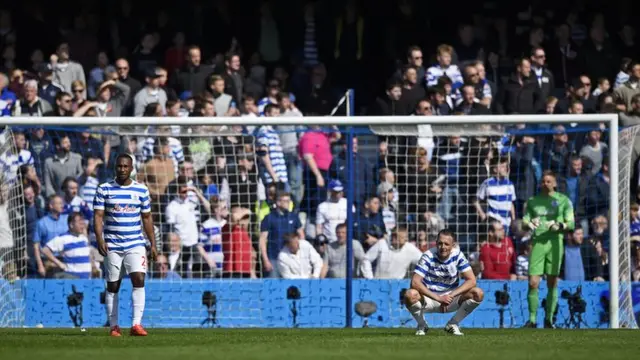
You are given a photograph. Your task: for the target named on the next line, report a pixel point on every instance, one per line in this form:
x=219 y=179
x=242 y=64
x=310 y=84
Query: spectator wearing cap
x=151 y=93
x=7 y=97
x=298 y=259
x=331 y=212
x=65 y=71
x=335 y=254
x=193 y=76
x=278 y=223
x=393 y=259
x=31 y=104
x=47 y=88
x=122 y=68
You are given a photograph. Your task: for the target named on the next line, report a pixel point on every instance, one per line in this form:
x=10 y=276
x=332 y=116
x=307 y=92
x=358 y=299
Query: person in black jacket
x=388 y=104
x=521 y=93
x=193 y=76
x=544 y=77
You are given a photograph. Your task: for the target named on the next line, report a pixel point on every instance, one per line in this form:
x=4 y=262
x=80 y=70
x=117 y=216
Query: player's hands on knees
x=102 y=249
x=446 y=299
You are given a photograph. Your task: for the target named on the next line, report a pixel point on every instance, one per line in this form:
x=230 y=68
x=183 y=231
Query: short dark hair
x=72 y=217
x=447 y=232
x=550 y=173
x=124 y=156
x=290 y=236
x=411 y=49
x=393 y=83
x=269 y=107
x=499 y=160
x=66 y=182
x=58 y=139
x=340 y=226
x=283 y=194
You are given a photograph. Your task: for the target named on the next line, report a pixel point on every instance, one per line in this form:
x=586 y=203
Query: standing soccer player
x=122 y=208
x=549 y=215
x=435 y=285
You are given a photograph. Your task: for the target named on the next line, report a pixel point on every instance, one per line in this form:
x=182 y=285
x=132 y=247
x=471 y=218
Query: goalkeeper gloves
x=534 y=223
x=556 y=226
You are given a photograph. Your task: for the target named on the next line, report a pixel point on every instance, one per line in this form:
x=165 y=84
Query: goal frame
x=611 y=120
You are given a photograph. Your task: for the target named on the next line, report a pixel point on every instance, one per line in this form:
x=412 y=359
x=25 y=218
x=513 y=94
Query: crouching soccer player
x=122 y=208
x=434 y=286
x=549 y=215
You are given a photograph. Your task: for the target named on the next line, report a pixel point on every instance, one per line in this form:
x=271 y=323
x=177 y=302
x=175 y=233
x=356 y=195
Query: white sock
x=112 y=302
x=418 y=314
x=465 y=309
x=137 y=299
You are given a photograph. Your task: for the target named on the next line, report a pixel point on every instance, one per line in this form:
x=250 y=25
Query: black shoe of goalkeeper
x=530 y=325
x=549 y=325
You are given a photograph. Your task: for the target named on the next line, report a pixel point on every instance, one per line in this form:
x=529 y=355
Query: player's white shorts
x=119 y=263
x=431 y=306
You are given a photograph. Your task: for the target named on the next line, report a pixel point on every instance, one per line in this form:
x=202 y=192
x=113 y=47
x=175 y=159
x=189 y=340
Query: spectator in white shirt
x=393 y=261
x=332 y=212
x=180 y=216
x=299 y=260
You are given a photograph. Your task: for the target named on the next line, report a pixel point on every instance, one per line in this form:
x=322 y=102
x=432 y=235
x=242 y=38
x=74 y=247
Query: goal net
x=221 y=221
x=13 y=234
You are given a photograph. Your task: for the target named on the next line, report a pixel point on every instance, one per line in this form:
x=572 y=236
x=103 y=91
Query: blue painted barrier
x=264 y=303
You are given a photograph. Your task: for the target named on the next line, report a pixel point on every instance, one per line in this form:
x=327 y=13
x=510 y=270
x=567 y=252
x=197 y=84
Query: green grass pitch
x=285 y=344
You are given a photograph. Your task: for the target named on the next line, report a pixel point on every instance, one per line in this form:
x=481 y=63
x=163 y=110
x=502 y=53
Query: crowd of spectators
x=272 y=200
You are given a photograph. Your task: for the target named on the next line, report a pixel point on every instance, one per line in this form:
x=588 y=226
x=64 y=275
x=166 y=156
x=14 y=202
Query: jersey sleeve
x=566 y=211
x=463 y=264
x=56 y=244
x=423 y=265
x=528 y=214
x=145 y=201
x=98 y=200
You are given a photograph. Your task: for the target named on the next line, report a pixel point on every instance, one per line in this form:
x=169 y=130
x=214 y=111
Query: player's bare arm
x=98 y=225
x=469 y=283
x=147 y=223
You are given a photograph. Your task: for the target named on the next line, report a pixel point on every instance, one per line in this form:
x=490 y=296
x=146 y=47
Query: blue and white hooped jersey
x=75 y=253
x=442 y=276
x=123 y=206
x=211 y=240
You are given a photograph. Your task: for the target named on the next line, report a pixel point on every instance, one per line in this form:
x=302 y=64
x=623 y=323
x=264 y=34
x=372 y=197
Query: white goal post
x=611 y=120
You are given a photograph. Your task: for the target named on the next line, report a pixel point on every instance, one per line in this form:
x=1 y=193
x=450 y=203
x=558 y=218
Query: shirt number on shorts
x=144 y=262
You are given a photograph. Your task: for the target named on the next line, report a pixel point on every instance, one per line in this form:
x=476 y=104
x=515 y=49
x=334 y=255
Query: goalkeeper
x=549 y=215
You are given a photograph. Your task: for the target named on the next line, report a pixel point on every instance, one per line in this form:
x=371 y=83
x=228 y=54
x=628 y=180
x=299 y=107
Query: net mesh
x=626 y=165
x=12 y=234
x=212 y=191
